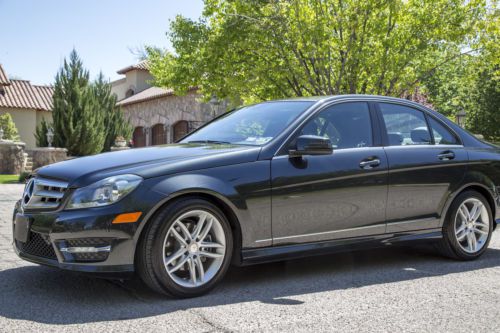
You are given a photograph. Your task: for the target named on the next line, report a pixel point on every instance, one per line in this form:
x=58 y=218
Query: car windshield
x=251 y=125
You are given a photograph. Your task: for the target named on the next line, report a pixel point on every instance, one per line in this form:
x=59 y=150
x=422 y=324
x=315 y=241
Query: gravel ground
x=387 y=290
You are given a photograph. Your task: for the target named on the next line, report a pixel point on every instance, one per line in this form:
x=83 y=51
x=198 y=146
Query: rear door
x=426 y=162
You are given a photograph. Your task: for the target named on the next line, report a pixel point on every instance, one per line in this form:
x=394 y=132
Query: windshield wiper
x=217 y=142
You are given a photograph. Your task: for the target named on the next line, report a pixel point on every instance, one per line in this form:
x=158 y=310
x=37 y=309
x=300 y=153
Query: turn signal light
x=127 y=218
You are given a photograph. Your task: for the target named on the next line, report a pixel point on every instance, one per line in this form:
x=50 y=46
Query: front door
x=426 y=163
x=342 y=195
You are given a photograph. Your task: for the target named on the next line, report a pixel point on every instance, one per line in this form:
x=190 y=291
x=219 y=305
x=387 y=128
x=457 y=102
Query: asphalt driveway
x=380 y=290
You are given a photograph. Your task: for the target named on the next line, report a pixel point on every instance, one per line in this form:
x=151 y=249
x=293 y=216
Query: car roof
x=319 y=100
x=341 y=97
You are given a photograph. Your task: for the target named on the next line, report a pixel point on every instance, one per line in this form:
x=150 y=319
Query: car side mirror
x=311 y=145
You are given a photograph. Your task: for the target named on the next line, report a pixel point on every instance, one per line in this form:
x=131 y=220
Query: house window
x=158 y=134
x=129 y=93
x=138 y=137
x=181 y=128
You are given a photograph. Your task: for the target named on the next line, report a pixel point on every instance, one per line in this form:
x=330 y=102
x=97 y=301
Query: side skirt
x=286 y=252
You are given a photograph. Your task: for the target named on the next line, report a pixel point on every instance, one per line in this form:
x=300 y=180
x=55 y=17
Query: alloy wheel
x=194 y=248
x=472 y=225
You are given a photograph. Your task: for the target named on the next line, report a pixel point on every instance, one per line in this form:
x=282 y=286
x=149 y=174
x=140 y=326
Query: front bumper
x=77 y=267
x=52 y=236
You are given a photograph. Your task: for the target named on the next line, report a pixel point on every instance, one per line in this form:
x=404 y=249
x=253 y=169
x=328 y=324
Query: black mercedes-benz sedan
x=266 y=182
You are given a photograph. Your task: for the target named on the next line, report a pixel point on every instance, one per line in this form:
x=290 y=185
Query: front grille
x=41 y=193
x=37 y=246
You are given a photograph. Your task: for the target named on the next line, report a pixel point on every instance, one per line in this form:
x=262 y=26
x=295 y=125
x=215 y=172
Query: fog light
x=92 y=249
x=88 y=249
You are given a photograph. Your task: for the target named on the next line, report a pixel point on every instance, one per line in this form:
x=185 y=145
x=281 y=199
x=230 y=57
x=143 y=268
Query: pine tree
x=8 y=127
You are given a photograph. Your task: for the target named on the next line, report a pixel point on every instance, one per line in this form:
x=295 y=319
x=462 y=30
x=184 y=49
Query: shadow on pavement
x=52 y=296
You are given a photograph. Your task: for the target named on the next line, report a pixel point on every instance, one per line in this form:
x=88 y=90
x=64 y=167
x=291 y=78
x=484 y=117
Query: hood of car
x=148 y=162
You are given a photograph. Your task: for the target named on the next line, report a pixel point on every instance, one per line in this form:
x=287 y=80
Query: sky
x=36 y=35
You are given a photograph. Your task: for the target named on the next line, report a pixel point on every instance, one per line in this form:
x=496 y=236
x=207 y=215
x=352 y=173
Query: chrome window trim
x=327 y=102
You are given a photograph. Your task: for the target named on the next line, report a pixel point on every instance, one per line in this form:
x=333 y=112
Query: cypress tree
x=85 y=118
x=41 y=134
x=75 y=125
x=114 y=123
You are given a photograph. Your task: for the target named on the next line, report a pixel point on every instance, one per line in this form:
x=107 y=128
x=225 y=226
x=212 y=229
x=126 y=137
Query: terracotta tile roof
x=23 y=94
x=4 y=79
x=146 y=95
x=143 y=65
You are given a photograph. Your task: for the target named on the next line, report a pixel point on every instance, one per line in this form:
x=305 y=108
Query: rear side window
x=405 y=125
x=442 y=136
x=347 y=125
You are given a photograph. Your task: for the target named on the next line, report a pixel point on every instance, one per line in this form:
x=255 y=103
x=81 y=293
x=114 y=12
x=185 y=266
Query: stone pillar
x=167 y=134
x=147 y=134
x=12 y=159
x=45 y=156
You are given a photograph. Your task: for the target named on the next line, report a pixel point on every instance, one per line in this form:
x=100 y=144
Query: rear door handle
x=369 y=164
x=446 y=155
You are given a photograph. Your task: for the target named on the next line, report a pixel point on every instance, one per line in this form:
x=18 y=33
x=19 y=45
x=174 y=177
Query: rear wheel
x=468 y=227
x=186 y=249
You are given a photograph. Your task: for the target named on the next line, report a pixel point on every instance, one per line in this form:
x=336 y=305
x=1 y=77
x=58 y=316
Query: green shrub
x=23 y=176
x=9 y=128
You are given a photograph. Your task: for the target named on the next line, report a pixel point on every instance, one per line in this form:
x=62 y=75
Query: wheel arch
x=217 y=199
x=478 y=187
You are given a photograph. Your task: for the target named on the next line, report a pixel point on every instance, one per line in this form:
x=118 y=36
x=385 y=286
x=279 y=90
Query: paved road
x=386 y=290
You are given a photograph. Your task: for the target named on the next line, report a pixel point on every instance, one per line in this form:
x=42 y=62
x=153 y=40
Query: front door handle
x=446 y=155
x=369 y=164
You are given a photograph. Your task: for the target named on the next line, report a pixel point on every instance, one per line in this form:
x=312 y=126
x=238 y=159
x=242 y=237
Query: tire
x=454 y=244
x=161 y=249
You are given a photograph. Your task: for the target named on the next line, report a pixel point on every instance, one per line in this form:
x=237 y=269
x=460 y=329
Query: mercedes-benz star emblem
x=28 y=191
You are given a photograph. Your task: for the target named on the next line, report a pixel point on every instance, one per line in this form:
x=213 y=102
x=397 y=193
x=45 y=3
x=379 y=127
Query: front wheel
x=468 y=227
x=186 y=249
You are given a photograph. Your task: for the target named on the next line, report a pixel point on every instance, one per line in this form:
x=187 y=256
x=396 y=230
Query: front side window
x=347 y=125
x=252 y=125
x=405 y=125
x=442 y=135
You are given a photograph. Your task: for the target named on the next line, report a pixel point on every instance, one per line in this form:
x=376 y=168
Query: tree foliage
x=472 y=83
x=484 y=118
x=9 y=127
x=85 y=117
x=265 y=49
x=41 y=133
x=114 y=123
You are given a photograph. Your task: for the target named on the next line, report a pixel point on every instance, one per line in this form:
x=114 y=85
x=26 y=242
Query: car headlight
x=103 y=192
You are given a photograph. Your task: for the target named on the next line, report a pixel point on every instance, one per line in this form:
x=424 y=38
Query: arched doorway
x=138 y=137
x=158 y=135
x=181 y=128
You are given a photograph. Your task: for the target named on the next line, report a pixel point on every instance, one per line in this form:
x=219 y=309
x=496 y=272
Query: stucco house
x=158 y=115
x=27 y=103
